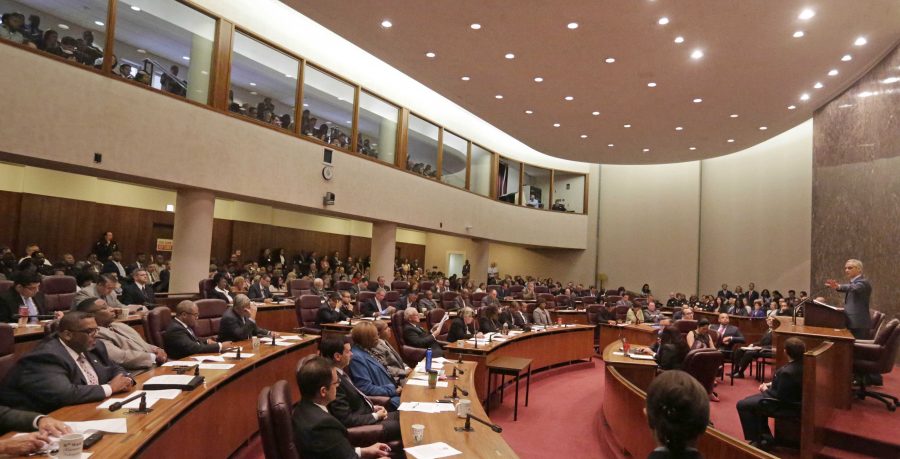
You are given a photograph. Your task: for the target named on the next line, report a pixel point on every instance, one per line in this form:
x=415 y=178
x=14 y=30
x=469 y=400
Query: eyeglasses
x=335 y=383
x=88 y=331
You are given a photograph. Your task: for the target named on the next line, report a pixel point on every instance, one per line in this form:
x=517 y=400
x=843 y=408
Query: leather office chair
x=448 y=297
x=516 y=291
x=412 y=355
x=684 y=325
x=211 y=311
x=703 y=365
x=398 y=321
x=306 y=310
x=425 y=285
x=58 y=292
x=343 y=285
x=494 y=286
x=593 y=318
x=392 y=298
x=5 y=285
x=362 y=297
x=445 y=331
x=541 y=289
x=266 y=429
x=400 y=286
x=476 y=299
x=877 y=319
x=612 y=299
x=877 y=357
x=621 y=313
x=204 y=287
x=549 y=298
x=434 y=316
x=155 y=324
x=7 y=349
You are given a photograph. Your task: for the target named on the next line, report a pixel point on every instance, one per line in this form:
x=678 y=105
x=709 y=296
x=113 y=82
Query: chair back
x=205 y=286
x=541 y=289
x=5 y=285
x=392 y=298
x=593 y=313
x=561 y=300
x=703 y=365
x=684 y=325
x=621 y=312
x=362 y=297
x=612 y=299
x=343 y=285
x=495 y=287
x=434 y=316
x=426 y=285
x=7 y=349
x=306 y=310
x=878 y=356
x=412 y=355
x=280 y=410
x=877 y=320
x=400 y=286
x=211 y=311
x=155 y=324
x=58 y=291
x=266 y=430
x=445 y=330
x=476 y=298
x=398 y=321
x=448 y=297
x=516 y=291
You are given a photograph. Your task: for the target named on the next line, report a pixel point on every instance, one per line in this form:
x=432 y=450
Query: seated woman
x=221 y=291
x=367 y=373
x=463 y=326
x=758 y=311
x=700 y=338
x=677 y=412
x=239 y=286
x=761 y=347
x=387 y=355
x=540 y=315
x=672 y=349
x=489 y=322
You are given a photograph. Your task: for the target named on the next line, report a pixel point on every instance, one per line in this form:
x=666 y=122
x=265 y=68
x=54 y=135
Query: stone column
x=198 y=73
x=480 y=261
x=384 y=248
x=192 y=239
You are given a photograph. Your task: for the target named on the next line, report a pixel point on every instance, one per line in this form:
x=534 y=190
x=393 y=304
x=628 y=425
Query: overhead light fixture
x=730 y=140
x=572 y=25
x=646 y=150
x=679 y=128
x=804 y=96
x=498 y=96
x=170 y=207
x=555 y=124
x=252 y=84
x=663 y=21
x=651 y=84
x=187 y=58
x=135 y=8
x=583 y=136
x=763 y=128
x=386 y=24
x=818 y=85
x=569 y=98
x=610 y=145
x=142 y=51
x=890 y=80
x=679 y=39
x=63 y=26
x=734 y=115
x=430 y=54
x=798 y=34
x=860 y=41
x=528 y=112
x=698 y=100
x=847 y=58
x=692 y=148
x=253 y=93
x=627 y=126
x=595 y=113
x=99 y=23
x=697 y=54
x=465 y=78
x=475 y=26
x=510 y=56
x=610 y=60
x=832 y=72
x=538 y=79
x=792 y=107
x=806 y=14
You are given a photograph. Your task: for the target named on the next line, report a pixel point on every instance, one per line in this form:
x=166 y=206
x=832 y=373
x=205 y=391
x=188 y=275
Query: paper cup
x=418 y=432
x=122 y=313
x=463 y=407
x=70 y=446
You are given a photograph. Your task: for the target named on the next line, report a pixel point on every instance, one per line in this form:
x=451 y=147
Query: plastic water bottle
x=428 y=360
x=505 y=330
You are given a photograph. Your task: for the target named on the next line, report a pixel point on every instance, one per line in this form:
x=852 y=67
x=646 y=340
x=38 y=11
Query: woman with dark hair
x=489 y=322
x=766 y=296
x=678 y=413
x=672 y=349
x=220 y=288
x=700 y=338
x=645 y=290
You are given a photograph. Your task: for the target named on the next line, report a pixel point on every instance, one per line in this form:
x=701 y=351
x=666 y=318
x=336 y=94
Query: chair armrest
x=870 y=352
x=444 y=343
x=363 y=436
x=311 y=330
x=379 y=400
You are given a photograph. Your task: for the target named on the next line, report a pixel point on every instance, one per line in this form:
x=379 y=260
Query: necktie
x=89 y=374
x=368 y=402
x=32 y=310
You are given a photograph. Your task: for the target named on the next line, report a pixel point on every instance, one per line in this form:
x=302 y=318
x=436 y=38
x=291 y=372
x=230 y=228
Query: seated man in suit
x=25 y=292
x=114 y=266
x=239 y=322
x=350 y=405
x=346 y=305
x=463 y=300
x=491 y=299
x=123 y=344
x=67 y=368
x=514 y=317
x=259 y=291
x=42 y=427
x=728 y=335
x=317 y=433
x=427 y=302
x=331 y=312
x=625 y=301
x=179 y=339
x=411 y=300
x=139 y=292
x=416 y=336
x=105 y=288
x=607 y=314
x=374 y=307
x=786 y=386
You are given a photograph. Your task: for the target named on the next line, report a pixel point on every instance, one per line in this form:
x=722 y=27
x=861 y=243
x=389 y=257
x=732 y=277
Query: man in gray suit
x=856 y=299
x=123 y=344
x=105 y=288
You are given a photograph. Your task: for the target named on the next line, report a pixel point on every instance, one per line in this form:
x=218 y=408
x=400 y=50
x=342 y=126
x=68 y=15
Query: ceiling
x=752 y=66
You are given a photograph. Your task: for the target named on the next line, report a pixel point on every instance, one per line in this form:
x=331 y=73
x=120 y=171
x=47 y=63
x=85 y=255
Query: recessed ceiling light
x=99 y=23
x=847 y=58
x=792 y=107
x=651 y=84
x=306 y=105
x=697 y=54
x=610 y=145
x=253 y=93
x=832 y=72
x=63 y=26
x=698 y=100
x=572 y=25
x=538 y=79
x=730 y=140
x=679 y=39
x=818 y=85
x=679 y=128
x=610 y=60
x=142 y=51
x=510 y=56
x=692 y=148
x=734 y=115
x=763 y=128
x=890 y=80
x=663 y=21
x=288 y=75
x=498 y=96
x=252 y=84
x=187 y=58
x=555 y=124
x=465 y=78
x=475 y=26
x=430 y=54
x=627 y=126
x=860 y=41
x=387 y=24
x=798 y=34
x=806 y=14
x=583 y=136
x=135 y=8
x=595 y=113
x=529 y=112
x=569 y=98
x=646 y=150
x=804 y=96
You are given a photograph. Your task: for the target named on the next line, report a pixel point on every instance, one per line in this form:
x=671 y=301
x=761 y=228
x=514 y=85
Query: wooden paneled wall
x=62 y=225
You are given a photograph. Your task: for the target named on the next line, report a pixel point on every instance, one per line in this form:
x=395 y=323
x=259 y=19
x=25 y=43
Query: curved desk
x=213 y=420
x=639 y=372
x=481 y=442
x=570 y=316
x=551 y=347
x=26 y=338
x=642 y=335
x=281 y=316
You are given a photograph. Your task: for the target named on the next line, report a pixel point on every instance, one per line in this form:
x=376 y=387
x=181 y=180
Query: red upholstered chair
x=495 y=287
x=612 y=299
x=685 y=325
x=412 y=355
x=516 y=291
x=266 y=428
x=703 y=365
x=58 y=292
x=448 y=297
x=426 y=285
x=7 y=349
x=476 y=298
x=400 y=286
x=155 y=324
x=398 y=321
x=307 y=309
x=434 y=316
x=211 y=311
x=541 y=289
x=362 y=297
x=343 y=285
x=205 y=286
x=297 y=285
x=621 y=312
x=877 y=357
x=593 y=318
x=392 y=298
x=5 y=285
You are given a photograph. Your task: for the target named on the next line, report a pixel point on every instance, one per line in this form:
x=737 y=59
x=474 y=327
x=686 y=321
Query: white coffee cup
x=463 y=408
x=71 y=446
x=418 y=432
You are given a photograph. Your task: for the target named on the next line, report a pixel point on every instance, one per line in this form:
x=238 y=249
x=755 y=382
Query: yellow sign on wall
x=164 y=245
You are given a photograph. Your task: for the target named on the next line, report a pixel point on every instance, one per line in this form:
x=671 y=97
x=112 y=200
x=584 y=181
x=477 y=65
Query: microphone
x=236 y=350
x=802 y=303
x=460 y=389
x=468 y=426
x=118 y=405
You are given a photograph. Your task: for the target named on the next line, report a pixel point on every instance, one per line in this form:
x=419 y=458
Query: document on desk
x=211 y=358
x=278 y=342
x=426 y=407
x=115 y=425
x=434 y=366
x=432 y=451
x=640 y=356
x=132 y=405
x=419 y=382
x=170 y=380
x=515 y=332
x=291 y=337
x=231 y=355
x=203 y=366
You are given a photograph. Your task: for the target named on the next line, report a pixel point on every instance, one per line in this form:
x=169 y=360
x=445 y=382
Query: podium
x=819 y=314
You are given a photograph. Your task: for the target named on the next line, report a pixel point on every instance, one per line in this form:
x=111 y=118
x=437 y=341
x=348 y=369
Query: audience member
x=700 y=338
x=727 y=336
x=489 y=320
x=387 y=355
x=671 y=351
x=105 y=288
x=124 y=345
x=179 y=338
x=331 y=312
x=743 y=357
x=239 y=322
x=677 y=412
x=139 y=291
x=463 y=326
x=375 y=306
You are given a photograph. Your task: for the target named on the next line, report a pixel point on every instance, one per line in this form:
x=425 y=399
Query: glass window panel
x=536 y=187
x=263 y=82
x=480 y=174
x=327 y=108
x=168 y=45
x=508 y=180
x=74 y=29
x=453 y=160
x=377 y=128
x=568 y=192
x=422 y=150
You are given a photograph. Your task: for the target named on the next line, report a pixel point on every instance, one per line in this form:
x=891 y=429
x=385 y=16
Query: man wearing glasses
x=25 y=293
x=180 y=341
x=69 y=368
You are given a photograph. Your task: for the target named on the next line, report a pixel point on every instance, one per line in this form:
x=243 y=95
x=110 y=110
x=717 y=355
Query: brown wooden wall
x=62 y=225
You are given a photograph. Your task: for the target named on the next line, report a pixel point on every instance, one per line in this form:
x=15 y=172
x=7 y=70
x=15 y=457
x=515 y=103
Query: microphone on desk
x=460 y=389
x=468 y=426
x=118 y=405
x=236 y=350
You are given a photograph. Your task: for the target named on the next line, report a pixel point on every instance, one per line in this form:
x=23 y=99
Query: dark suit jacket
x=666 y=454
x=486 y=325
x=234 y=327
x=10 y=301
x=179 y=342
x=163 y=284
x=257 y=292
x=47 y=378
x=132 y=294
x=459 y=331
x=729 y=330
x=217 y=295
x=369 y=308
x=13 y=420
x=349 y=406
x=327 y=315
x=517 y=320
x=110 y=267
x=787 y=385
x=319 y=434
x=416 y=336
x=856 y=302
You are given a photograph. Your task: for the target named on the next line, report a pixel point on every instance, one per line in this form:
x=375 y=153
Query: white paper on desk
x=618 y=353
x=211 y=358
x=367 y=318
x=216 y=366
x=515 y=332
x=179 y=363
x=278 y=342
x=440 y=360
x=419 y=382
x=167 y=394
x=114 y=425
x=343 y=322
x=434 y=366
x=179 y=380
x=640 y=356
x=132 y=405
x=231 y=355
x=432 y=451
x=291 y=337
x=426 y=407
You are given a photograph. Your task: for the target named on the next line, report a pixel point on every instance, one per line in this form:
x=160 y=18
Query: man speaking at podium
x=856 y=299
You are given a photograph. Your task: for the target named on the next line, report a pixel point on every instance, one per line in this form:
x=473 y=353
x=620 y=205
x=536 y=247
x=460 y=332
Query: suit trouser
x=391 y=427
x=754 y=422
